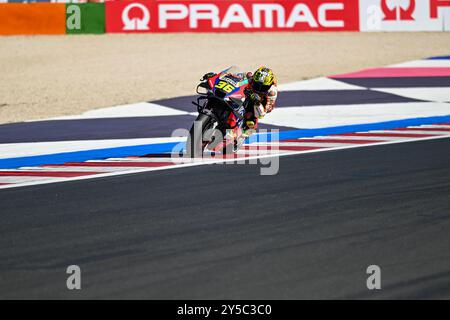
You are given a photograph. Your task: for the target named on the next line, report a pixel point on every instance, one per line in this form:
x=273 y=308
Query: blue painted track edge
x=439 y=58
x=141 y=150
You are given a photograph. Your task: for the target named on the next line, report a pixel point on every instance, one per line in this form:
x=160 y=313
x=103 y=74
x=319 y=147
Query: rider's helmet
x=262 y=80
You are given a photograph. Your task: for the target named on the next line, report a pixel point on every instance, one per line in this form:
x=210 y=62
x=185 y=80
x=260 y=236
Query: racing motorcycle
x=221 y=107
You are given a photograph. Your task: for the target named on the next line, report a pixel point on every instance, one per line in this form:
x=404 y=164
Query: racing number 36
x=225 y=86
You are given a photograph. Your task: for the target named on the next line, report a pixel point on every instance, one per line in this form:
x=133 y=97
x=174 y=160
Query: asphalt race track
x=224 y=231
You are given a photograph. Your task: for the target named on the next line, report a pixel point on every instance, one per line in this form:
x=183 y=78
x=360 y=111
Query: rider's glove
x=208 y=75
x=255 y=98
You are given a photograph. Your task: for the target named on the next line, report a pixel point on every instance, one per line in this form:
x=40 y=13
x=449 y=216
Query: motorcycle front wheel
x=195 y=144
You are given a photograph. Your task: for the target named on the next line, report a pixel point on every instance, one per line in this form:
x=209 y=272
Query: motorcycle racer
x=262 y=91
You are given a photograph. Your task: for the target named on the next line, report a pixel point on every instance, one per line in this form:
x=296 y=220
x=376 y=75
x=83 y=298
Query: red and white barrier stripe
x=70 y=171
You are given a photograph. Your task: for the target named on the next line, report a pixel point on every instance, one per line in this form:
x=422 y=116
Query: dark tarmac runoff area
x=226 y=232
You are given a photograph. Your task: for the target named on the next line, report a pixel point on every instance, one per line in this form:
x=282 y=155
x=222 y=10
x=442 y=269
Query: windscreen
x=234 y=73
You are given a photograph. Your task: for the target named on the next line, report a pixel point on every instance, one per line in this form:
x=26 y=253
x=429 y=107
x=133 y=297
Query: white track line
x=301 y=143
x=438 y=63
x=144 y=159
x=374 y=138
x=22 y=179
x=262 y=151
x=431 y=126
x=411 y=132
x=77 y=169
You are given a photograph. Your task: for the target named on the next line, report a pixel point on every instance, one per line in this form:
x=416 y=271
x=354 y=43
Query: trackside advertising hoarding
x=232 y=16
x=51 y=18
x=404 y=15
x=157 y=16
x=33 y=18
x=85 y=18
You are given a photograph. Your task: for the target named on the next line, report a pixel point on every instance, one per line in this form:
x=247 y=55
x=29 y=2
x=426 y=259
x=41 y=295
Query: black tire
x=195 y=144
